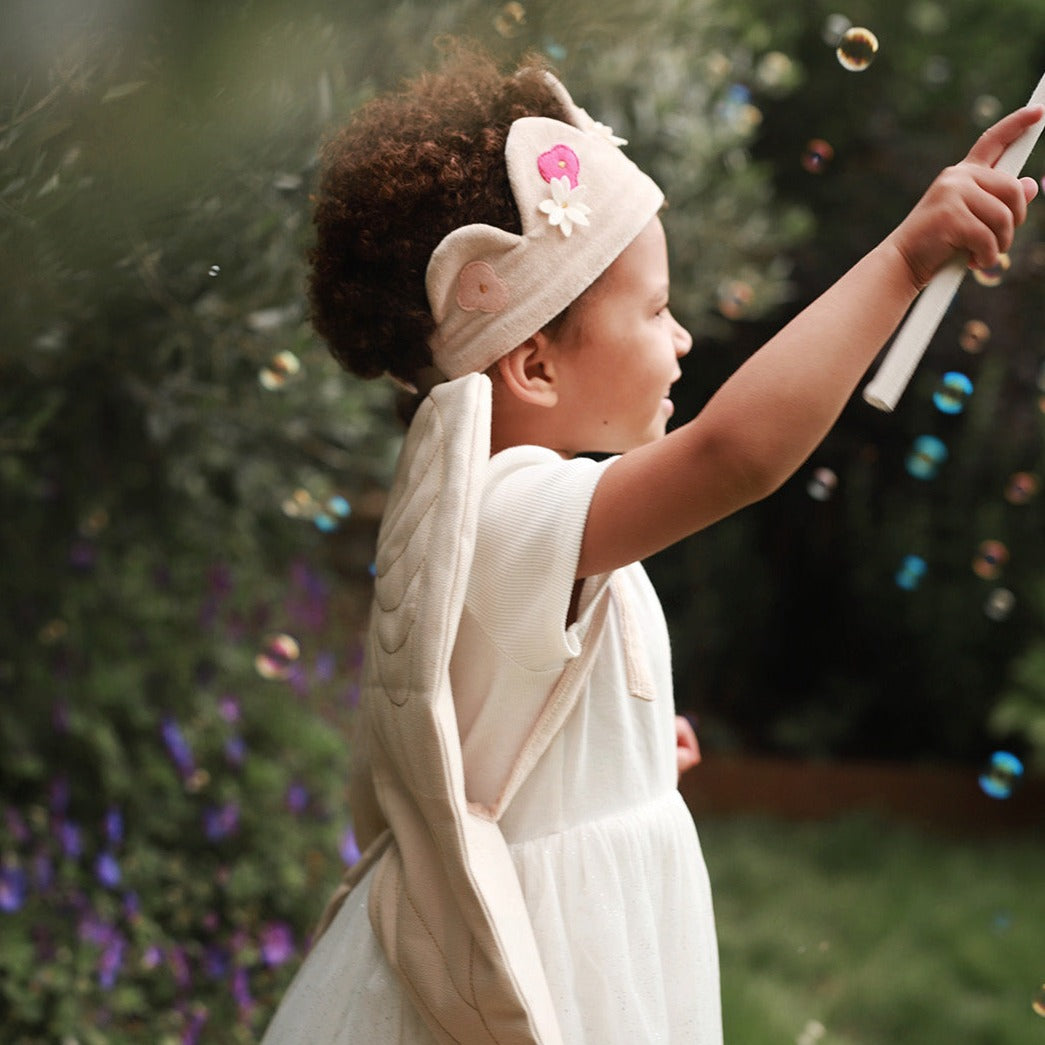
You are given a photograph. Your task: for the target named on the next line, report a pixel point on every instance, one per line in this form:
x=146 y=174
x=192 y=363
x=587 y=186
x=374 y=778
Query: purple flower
x=235 y=751
x=277 y=943
x=43 y=871
x=228 y=708
x=114 y=825
x=69 y=839
x=12 y=889
x=241 y=990
x=131 y=906
x=215 y=962
x=152 y=956
x=107 y=870
x=194 y=1025
x=221 y=821
x=177 y=746
x=349 y=847
x=111 y=961
x=180 y=967
x=94 y=930
x=297 y=798
x=326 y=664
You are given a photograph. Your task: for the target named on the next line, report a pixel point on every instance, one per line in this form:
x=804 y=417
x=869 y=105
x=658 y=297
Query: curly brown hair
x=408 y=169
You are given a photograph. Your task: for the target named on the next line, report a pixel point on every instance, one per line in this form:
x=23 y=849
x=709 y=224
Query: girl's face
x=617 y=353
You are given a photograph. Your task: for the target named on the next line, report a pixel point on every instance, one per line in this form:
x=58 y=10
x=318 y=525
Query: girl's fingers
x=1030 y=189
x=995 y=140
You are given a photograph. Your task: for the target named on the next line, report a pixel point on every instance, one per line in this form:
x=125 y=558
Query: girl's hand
x=970 y=208
x=687 y=749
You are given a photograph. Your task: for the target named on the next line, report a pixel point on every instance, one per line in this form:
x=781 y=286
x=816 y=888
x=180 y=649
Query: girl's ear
x=529 y=372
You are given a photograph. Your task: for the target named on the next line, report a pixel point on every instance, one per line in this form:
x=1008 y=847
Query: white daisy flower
x=562 y=210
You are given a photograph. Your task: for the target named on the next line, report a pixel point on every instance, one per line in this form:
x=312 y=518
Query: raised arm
x=776 y=408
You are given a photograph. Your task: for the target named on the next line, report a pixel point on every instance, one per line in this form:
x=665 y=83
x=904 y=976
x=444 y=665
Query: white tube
x=907 y=349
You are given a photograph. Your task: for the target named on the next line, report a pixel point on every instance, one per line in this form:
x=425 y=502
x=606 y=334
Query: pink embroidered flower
x=558 y=162
x=480 y=289
x=563 y=211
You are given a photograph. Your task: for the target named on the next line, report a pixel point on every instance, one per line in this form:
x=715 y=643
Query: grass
x=880 y=933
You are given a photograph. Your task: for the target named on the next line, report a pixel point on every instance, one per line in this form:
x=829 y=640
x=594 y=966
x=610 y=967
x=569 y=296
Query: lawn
x=861 y=932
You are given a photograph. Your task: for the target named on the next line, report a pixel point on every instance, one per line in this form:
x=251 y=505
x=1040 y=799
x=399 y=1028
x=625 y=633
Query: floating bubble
x=214 y=270
x=856 y=49
x=952 y=393
x=834 y=28
x=281 y=368
x=1001 y=775
x=556 y=51
x=974 y=336
x=926 y=456
x=818 y=154
x=912 y=569
x=775 y=70
x=300 y=505
x=1021 y=487
x=990 y=559
x=994 y=274
x=277 y=657
x=1000 y=604
x=985 y=110
x=734 y=298
x=822 y=484
x=331 y=514
x=1038 y=1004
x=510 y=20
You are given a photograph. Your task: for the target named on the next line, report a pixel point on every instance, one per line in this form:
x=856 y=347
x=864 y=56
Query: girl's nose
x=683 y=339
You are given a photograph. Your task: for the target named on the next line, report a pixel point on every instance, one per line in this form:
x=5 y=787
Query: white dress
x=605 y=849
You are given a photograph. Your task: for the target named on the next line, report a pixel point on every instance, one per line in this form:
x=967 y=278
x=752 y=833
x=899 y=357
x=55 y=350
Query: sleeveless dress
x=605 y=849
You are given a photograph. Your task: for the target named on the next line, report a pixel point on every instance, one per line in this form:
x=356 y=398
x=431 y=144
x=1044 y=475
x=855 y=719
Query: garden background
x=191 y=489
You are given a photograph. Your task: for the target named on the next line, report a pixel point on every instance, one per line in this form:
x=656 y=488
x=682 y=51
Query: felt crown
x=581 y=201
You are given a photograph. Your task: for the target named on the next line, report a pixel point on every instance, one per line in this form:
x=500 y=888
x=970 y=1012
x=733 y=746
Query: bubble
x=856 y=49
x=985 y=110
x=1038 y=1004
x=734 y=298
x=822 y=484
x=952 y=393
x=281 y=368
x=834 y=28
x=990 y=559
x=994 y=275
x=510 y=20
x=775 y=70
x=1000 y=604
x=1021 y=487
x=277 y=657
x=974 y=336
x=300 y=505
x=330 y=515
x=214 y=270
x=818 y=154
x=912 y=569
x=1001 y=775
x=811 y=1033
x=926 y=456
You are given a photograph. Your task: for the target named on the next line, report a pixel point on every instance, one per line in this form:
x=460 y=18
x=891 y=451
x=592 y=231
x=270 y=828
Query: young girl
x=532 y=874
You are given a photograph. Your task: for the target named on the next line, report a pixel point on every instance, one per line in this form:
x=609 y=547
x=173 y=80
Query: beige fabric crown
x=581 y=200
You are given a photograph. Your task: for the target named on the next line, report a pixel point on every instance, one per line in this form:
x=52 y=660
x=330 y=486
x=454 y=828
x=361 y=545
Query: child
x=532 y=874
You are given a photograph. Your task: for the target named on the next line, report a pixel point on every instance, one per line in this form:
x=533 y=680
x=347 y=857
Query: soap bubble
x=734 y=298
x=1038 y=1004
x=1000 y=604
x=1001 y=775
x=1021 y=487
x=834 y=28
x=912 y=569
x=775 y=70
x=926 y=456
x=952 y=393
x=856 y=49
x=822 y=484
x=510 y=19
x=277 y=657
x=300 y=505
x=985 y=110
x=214 y=270
x=990 y=559
x=281 y=368
x=974 y=336
x=818 y=154
x=993 y=275
x=331 y=514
